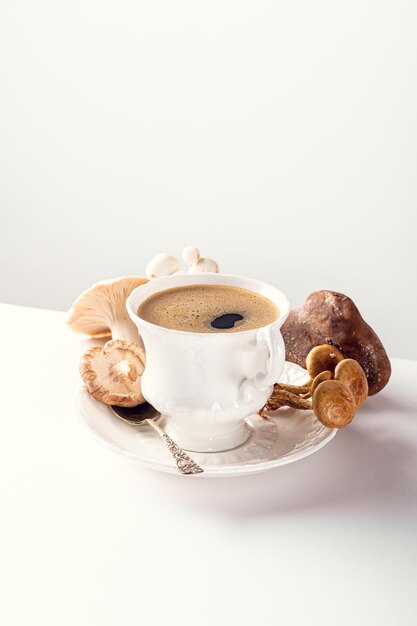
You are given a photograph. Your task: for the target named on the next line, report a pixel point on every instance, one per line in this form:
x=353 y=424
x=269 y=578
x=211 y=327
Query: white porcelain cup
x=206 y=384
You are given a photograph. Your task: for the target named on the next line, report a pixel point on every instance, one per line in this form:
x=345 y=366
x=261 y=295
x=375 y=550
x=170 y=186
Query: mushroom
x=333 y=404
x=320 y=378
x=112 y=374
x=352 y=375
x=166 y=264
x=101 y=310
x=331 y=317
x=321 y=358
x=163 y=265
x=297 y=389
x=300 y=391
x=196 y=263
x=334 y=401
x=282 y=397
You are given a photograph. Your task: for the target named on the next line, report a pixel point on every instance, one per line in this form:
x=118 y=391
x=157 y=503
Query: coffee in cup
x=206 y=383
x=201 y=308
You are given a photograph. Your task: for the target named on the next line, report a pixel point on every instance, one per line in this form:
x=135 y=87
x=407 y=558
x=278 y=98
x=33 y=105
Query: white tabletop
x=89 y=538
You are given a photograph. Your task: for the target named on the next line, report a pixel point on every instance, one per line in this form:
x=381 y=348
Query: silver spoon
x=145 y=414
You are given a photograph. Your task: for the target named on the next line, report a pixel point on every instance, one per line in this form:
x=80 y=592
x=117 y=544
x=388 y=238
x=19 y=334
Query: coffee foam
x=193 y=308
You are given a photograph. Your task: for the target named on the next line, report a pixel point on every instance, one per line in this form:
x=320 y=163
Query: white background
x=280 y=137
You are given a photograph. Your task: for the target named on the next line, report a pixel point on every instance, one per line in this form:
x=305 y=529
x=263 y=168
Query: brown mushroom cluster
x=333 y=318
x=336 y=389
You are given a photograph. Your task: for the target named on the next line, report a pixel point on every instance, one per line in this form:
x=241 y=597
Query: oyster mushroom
x=352 y=375
x=100 y=311
x=334 y=404
x=321 y=358
x=112 y=374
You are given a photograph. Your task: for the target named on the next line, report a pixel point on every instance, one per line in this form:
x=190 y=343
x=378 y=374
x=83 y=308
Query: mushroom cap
x=203 y=265
x=334 y=404
x=190 y=255
x=113 y=373
x=352 y=375
x=162 y=265
x=321 y=358
x=103 y=306
x=320 y=378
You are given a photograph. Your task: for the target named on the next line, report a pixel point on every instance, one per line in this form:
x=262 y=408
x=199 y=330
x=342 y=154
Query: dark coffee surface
x=228 y=320
x=208 y=309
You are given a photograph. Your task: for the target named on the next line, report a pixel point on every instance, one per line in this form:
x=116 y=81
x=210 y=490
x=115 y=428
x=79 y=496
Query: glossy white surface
x=89 y=538
x=206 y=384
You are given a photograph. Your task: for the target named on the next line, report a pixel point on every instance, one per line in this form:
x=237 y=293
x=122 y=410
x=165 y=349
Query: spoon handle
x=184 y=463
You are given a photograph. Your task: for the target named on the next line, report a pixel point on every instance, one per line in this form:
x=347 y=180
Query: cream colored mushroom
x=113 y=373
x=190 y=255
x=196 y=263
x=163 y=265
x=101 y=310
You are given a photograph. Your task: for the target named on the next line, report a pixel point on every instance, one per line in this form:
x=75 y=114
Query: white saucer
x=287 y=435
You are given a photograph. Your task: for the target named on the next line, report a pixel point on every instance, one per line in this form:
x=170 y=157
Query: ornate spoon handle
x=184 y=463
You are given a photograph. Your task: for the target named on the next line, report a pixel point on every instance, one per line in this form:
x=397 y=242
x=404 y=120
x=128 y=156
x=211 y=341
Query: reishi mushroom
x=100 y=311
x=112 y=374
x=329 y=317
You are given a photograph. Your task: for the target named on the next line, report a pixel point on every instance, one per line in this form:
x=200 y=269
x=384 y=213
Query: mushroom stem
x=298 y=389
x=281 y=397
x=125 y=369
x=125 y=329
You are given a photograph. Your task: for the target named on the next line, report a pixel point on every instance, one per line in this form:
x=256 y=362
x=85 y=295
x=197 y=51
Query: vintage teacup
x=206 y=384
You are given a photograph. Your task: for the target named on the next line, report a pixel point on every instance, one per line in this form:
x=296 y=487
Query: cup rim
x=133 y=315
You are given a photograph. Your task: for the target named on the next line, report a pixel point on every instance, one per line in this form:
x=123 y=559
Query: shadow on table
x=368 y=467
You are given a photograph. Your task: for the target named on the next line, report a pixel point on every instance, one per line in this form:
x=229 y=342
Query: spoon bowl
x=146 y=414
x=136 y=415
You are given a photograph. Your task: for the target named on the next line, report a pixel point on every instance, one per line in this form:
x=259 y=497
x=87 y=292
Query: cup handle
x=275 y=344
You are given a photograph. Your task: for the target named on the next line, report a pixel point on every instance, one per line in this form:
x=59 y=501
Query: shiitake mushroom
x=335 y=401
x=352 y=375
x=337 y=387
x=334 y=404
x=320 y=378
x=323 y=358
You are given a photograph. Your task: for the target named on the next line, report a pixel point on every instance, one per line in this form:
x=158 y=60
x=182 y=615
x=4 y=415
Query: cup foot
x=206 y=442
